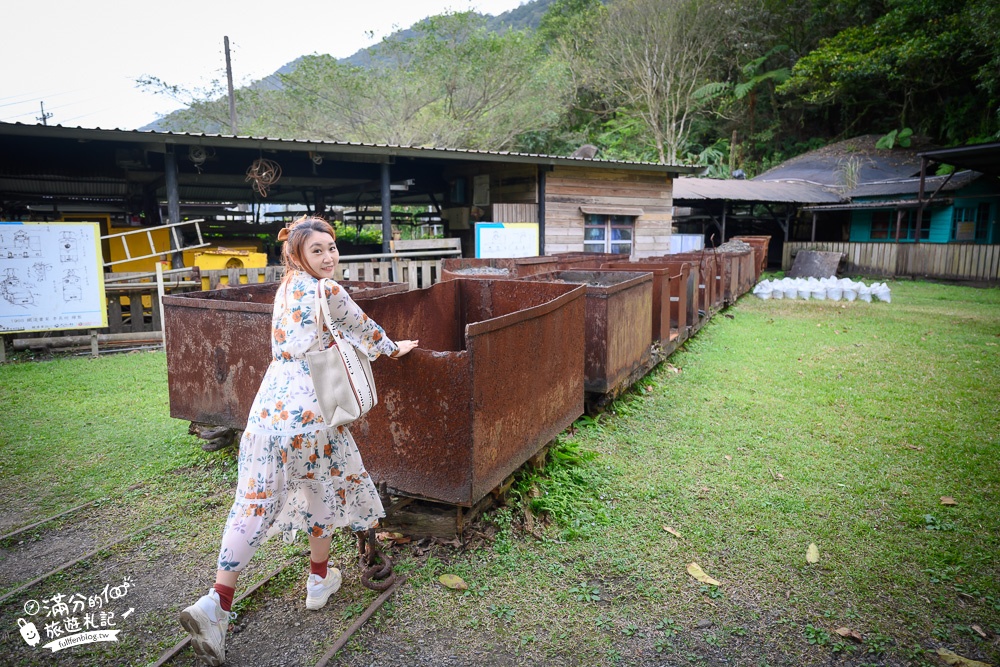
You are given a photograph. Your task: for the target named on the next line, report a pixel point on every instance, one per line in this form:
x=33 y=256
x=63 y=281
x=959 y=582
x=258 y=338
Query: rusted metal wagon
x=218 y=346
x=709 y=285
x=499 y=373
x=760 y=245
x=678 y=311
x=618 y=328
x=509 y=268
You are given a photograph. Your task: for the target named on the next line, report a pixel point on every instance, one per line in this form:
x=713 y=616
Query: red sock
x=319 y=569
x=226 y=594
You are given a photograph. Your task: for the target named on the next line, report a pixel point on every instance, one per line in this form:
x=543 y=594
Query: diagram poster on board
x=51 y=276
x=506 y=239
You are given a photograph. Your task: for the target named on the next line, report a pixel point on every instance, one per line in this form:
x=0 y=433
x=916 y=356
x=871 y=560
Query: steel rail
x=51 y=518
x=372 y=608
x=70 y=564
x=172 y=652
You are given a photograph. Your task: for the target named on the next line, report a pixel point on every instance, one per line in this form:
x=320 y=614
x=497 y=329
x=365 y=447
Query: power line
x=45 y=116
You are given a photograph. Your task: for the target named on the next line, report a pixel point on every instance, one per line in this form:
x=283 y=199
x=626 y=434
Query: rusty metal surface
x=495 y=268
x=760 y=245
x=618 y=326
x=710 y=293
x=219 y=346
x=498 y=374
x=662 y=315
x=512 y=268
x=684 y=304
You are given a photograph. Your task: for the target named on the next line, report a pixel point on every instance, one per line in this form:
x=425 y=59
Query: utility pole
x=229 y=79
x=45 y=116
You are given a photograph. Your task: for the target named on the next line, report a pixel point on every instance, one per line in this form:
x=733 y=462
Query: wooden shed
x=151 y=178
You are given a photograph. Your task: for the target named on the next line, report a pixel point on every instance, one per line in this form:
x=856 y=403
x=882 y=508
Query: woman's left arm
x=354 y=326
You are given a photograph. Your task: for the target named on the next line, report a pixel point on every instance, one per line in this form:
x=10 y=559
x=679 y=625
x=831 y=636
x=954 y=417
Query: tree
x=650 y=56
x=450 y=83
x=913 y=66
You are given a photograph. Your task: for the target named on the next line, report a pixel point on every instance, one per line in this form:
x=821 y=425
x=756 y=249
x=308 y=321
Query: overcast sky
x=81 y=58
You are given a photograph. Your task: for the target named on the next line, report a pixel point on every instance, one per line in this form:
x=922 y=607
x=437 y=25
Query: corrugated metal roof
x=755 y=191
x=980 y=157
x=880 y=203
x=911 y=186
x=332 y=147
x=826 y=166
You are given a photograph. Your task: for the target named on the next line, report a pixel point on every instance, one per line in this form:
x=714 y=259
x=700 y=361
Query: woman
x=295 y=472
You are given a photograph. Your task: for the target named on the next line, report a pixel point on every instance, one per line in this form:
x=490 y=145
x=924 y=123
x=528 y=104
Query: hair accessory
x=283 y=234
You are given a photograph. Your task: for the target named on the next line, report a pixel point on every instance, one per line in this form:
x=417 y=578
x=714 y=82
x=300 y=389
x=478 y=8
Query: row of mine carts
x=512 y=352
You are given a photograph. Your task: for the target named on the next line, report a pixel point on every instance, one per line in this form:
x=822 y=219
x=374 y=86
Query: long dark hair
x=294 y=237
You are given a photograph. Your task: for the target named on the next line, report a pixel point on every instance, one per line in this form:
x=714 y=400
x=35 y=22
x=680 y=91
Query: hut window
x=884 y=225
x=608 y=233
x=970 y=223
x=881 y=222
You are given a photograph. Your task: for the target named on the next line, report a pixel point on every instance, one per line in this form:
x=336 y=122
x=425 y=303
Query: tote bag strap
x=323 y=315
x=324 y=308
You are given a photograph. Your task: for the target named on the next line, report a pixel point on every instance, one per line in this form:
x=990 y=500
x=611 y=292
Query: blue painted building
x=965 y=209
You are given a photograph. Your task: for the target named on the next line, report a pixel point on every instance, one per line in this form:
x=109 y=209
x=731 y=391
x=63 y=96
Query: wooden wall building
x=152 y=178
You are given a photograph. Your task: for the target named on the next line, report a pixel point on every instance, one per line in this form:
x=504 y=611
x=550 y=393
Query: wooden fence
x=953 y=261
x=133 y=306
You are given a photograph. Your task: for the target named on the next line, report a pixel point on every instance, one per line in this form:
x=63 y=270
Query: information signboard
x=506 y=239
x=51 y=276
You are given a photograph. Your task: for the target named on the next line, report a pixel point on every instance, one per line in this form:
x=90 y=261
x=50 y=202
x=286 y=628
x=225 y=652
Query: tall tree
x=651 y=56
x=913 y=66
x=451 y=83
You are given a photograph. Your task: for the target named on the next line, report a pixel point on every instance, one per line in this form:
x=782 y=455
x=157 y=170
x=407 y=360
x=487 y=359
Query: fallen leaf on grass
x=778 y=476
x=812 y=554
x=728 y=457
x=979 y=631
x=453 y=581
x=956 y=660
x=913 y=447
x=847 y=633
x=695 y=571
x=672 y=531
x=457 y=543
x=395 y=538
x=948 y=500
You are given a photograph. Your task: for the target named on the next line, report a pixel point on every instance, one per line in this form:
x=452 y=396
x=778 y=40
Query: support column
x=725 y=205
x=920 y=199
x=813 y=237
x=386 y=209
x=173 y=203
x=541 y=209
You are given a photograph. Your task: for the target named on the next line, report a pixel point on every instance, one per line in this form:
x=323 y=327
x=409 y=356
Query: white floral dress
x=295 y=472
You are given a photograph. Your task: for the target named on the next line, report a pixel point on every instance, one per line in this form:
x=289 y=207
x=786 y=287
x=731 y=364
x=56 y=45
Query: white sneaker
x=318 y=591
x=207 y=624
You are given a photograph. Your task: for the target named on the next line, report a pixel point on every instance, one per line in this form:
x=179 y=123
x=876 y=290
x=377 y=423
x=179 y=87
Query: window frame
x=607 y=224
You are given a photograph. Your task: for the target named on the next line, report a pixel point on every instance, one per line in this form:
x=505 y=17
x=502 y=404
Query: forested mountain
x=725 y=83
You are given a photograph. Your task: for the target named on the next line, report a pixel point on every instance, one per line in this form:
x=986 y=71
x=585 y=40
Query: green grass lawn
x=788 y=424
x=76 y=429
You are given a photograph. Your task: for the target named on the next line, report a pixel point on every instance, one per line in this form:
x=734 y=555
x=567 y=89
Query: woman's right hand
x=404 y=346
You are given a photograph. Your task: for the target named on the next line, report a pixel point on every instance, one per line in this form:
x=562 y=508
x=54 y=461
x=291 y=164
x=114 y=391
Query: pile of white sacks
x=832 y=288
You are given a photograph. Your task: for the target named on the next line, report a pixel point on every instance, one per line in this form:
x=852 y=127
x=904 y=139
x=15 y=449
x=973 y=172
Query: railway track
x=10 y=601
